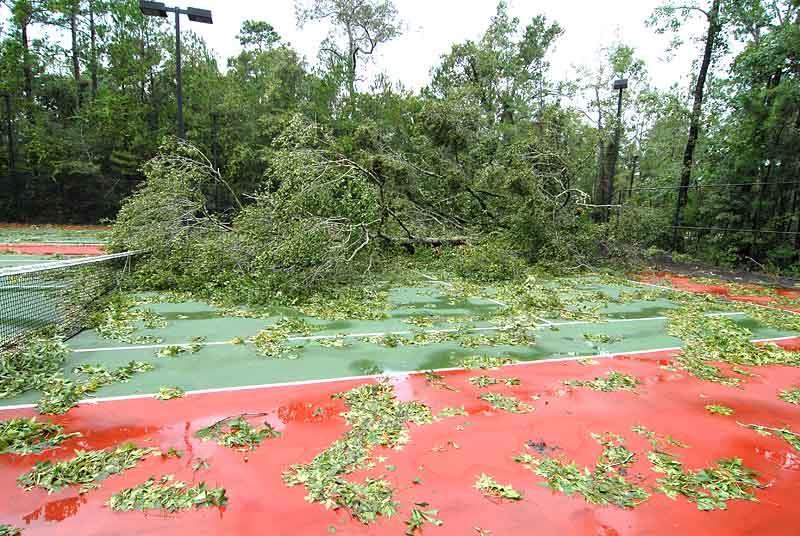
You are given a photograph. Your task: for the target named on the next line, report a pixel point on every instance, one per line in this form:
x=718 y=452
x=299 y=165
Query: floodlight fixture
x=158 y=9
x=621 y=84
x=199 y=15
x=153 y=9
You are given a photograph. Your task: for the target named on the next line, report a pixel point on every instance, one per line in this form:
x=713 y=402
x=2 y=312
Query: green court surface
x=343 y=348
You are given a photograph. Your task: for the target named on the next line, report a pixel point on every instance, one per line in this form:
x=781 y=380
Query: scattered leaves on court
x=793 y=438
x=168 y=393
x=448 y=412
x=60 y=394
x=29 y=436
x=612 y=381
x=716 y=409
x=9 y=530
x=237 y=433
x=376 y=419
x=792 y=396
x=122 y=317
x=709 y=488
x=506 y=403
x=484 y=362
x=419 y=517
x=272 y=341
x=437 y=380
x=30 y=366
x=601 y=338
x=489 y=486
x=166 y=494
x=85 y=469
x=606 y=483
x=485 y=381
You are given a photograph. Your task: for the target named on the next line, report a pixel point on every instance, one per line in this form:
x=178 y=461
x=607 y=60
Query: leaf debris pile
x=237 y=432
x=709 y=488
x=793 y=438
x=613 y=381
x=376 y=419
x=792 y=396
x=167 y=495
x=85 y=469
x=32 y=365
x=122 y=316
x=605 y=484
x=484 y=362
x=709 y=339
x=168 y=393
x=489 y=486
x=485 y=381
x=419 y=517
x=506 y=403
x=61 y=394
x=273 y=341
x=716 y=409
x=28 y=436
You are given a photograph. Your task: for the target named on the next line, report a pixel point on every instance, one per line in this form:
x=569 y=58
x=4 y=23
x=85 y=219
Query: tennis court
x=429 y=331
x=20 y=244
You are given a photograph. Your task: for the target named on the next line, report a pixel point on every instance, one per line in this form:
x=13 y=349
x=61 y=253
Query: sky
x=433 y=26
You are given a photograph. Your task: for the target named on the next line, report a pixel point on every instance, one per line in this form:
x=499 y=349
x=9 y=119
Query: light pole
x=158 y=9
x=619 y=85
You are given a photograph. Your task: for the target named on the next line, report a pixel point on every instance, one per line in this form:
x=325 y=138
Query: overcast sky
x=434 y=25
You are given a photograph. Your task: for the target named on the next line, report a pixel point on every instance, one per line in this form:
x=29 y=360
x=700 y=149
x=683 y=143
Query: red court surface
x=688 y=284
x=53 y=249
x=440 y=464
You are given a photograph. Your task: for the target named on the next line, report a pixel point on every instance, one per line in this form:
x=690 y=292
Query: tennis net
x=57 y=295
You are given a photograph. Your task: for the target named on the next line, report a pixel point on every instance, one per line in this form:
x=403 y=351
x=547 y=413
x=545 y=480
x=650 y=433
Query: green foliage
x=709 y=488
x=59 y=394
x=237 y=433
x=419 y=517
x=613 y=381
x=605 y=484
x=486 y=381
x=376 y=419
x=28 y=436
x=787 y=435
x=167 y=495
x=792 y=396
x=8 y=530
x=122 y=316
x=489 y=486
x=716 y=409
x=30 y=367
x=506 y=403
x=709 y=339
x=85 y=469
x=168 y=393
x=484 y=362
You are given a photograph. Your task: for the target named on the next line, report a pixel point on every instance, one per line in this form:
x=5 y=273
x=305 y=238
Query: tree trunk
x=27 y=68
x=93 y=49
x=694 y=121
x=76 y=62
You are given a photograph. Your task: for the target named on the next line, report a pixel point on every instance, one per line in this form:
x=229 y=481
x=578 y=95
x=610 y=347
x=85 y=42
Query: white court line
x=385 y=333
x=724 y=297
x=374 y=376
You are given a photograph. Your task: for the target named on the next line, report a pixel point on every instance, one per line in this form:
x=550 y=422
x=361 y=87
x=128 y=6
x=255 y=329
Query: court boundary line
x=385 y=333
x=390 y=375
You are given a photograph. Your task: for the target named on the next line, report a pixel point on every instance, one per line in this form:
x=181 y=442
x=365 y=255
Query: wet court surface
x=440 y=463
